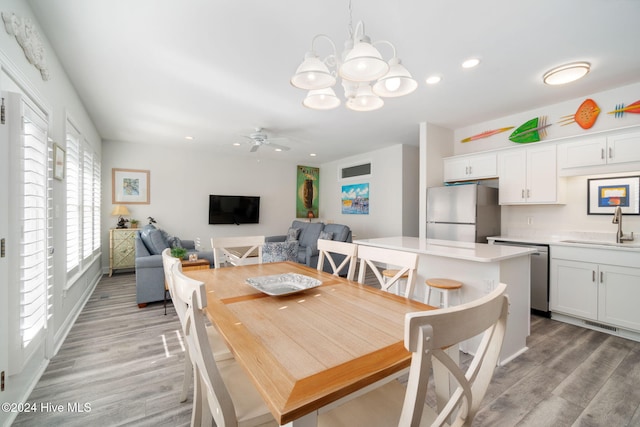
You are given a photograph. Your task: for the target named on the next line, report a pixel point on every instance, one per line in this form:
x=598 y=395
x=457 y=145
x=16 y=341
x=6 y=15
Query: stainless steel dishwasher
x=539 y=275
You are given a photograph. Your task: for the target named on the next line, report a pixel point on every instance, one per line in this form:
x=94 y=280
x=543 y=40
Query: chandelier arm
x=330 y=60
x=393 y=48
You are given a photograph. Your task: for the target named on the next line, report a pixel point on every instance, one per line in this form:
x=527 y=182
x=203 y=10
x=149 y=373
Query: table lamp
x=120 y=211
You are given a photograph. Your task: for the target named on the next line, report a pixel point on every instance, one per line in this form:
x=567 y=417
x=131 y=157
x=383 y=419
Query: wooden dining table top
x=306 y=350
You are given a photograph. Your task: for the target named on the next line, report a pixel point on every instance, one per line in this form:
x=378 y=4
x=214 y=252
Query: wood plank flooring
x=127 y=364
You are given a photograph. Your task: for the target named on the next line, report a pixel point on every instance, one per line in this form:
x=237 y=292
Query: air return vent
x=355 y=171
x=601 y=326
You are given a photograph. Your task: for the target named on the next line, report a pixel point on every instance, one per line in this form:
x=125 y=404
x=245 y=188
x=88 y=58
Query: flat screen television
x=234 y=209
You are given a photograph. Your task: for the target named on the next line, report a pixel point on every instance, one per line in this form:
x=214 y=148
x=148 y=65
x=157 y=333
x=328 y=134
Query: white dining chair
x=427 y=334
x=217 y=344
x=239 y=250
x=405 y=264
x=328 y=249
x=222 y=391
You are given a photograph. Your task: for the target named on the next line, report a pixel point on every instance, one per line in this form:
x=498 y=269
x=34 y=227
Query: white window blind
x=73 y=198
x=87 y=203
x=35 y=266
x=97 y=196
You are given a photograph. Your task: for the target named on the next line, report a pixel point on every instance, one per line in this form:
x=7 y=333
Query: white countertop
x=478 y=252
x=573 y=241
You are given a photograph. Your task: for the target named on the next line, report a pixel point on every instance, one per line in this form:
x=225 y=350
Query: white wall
x=572 y=216
x=392 y=170
x=58 y=97
x=606 y=101
x=182 y=178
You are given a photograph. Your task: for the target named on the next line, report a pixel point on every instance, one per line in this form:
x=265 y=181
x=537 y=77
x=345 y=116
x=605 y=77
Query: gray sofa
x=308 y=235
x=150 y=242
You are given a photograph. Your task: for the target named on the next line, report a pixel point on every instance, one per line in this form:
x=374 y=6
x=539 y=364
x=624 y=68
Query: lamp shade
x=397 y=82
x=120 y=210
x=321 y=99
x=365 y=100
x=363 y=63
x=312 y=74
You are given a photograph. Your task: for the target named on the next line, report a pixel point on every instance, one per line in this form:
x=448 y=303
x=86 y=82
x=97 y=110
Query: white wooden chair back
x=209 y=387
x=168 y=262
x=429 y=333
x=404 y=262
x=328 y=248
x=249 y=244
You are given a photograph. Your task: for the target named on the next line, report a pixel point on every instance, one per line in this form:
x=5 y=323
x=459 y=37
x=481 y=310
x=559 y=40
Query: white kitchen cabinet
x=583 y=285
x=469 y=167
x=528 y=175
x=573 y=288
x=600 y=151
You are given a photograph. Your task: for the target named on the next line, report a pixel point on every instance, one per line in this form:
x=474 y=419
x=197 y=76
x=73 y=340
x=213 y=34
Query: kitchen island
x=480 y=267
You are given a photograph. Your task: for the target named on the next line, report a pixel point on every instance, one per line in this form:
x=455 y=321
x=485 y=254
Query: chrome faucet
x=617 y=219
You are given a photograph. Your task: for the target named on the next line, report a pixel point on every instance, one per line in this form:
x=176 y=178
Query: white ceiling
x=154 y=71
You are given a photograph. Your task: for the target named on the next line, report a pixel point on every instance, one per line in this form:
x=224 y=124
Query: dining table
x=308 y=350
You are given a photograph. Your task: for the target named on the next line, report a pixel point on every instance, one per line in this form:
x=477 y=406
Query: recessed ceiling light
x=278 y=149
x=470 y=63
x=433 y=80
x=188 y=138
x=236 y=144
x=566 y=73
x=313 y=154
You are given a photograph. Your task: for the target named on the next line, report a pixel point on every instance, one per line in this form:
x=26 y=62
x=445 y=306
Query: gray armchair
x=150 y=242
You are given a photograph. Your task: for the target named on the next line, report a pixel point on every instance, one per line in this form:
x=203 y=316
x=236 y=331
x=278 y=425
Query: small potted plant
x=134 y=223
x=178 y=253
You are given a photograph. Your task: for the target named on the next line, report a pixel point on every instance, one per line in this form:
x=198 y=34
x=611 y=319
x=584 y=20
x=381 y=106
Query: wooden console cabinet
x=122 y=249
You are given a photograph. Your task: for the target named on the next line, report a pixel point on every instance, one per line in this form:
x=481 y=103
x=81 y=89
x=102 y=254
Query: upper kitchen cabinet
x=470 y=167
x=528 y=175
x=600 y=154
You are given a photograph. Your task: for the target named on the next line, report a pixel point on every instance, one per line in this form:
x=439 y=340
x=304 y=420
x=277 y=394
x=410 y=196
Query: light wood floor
x=127 y=364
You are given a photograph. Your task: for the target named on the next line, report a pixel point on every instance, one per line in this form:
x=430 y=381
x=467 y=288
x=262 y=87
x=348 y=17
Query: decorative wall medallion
x=29 y=40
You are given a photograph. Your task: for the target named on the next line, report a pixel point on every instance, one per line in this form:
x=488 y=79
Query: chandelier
x=365 y=76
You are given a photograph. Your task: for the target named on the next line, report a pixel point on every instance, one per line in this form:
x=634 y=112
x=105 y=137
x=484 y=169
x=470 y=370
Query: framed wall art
x=59 y=157
x=355 y=199
x=130 y=186
x=605 y=194
x=307 y=192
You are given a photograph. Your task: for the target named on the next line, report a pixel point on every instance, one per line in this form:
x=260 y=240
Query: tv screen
x=234 y=209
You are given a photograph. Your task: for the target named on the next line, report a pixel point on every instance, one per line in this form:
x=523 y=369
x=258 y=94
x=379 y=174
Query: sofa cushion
x=340 y=231
x=309 y=235
x=280 y=251
x=158 y=242
x=325 y=235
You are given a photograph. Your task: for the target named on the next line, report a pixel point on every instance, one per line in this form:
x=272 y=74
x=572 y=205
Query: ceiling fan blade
x=278 y=147
x=254 y=148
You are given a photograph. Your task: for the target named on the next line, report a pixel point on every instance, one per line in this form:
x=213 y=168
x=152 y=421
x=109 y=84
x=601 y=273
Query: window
x=73 y=199
x=32 y=161
x=83 y=201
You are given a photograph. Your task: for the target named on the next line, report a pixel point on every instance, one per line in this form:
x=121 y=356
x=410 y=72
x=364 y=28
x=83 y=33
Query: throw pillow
x=175 y=242
x=280 y=251
x=292 y=234
x=325 y=235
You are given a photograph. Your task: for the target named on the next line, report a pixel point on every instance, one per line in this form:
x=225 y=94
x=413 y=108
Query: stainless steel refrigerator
x=465 y=213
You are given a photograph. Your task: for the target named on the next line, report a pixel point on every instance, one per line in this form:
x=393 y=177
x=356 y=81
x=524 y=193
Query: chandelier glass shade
x=365 y=75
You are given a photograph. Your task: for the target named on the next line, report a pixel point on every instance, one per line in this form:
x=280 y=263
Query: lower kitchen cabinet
x=605 y=293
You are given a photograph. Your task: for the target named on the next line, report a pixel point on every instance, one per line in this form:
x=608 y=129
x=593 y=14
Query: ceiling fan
x=259 y=138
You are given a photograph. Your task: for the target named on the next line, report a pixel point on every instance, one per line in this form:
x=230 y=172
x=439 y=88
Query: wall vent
x=601 y=326
x=355 y=171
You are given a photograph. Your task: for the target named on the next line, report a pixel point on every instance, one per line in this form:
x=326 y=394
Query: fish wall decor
x=585 y=116
x=531 y=131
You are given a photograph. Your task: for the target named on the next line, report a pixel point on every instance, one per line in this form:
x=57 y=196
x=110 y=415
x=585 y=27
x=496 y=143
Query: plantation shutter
x=96 y=202
x=34 y=276
x=73 y=199
x=87 y=203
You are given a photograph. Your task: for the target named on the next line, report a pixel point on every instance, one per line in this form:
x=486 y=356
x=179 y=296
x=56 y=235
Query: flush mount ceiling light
x=566 y=73
x=470 y=63
x=359 y=66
